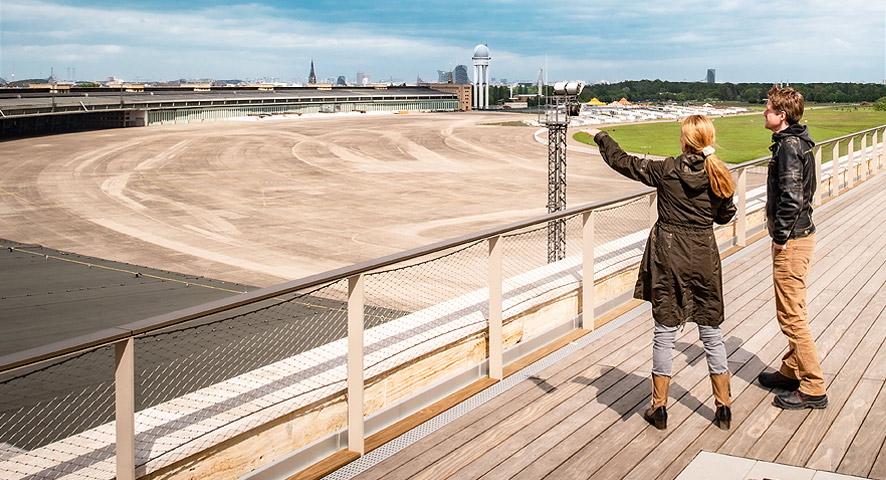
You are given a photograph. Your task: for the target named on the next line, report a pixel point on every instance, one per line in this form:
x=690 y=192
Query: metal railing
x=63 y=390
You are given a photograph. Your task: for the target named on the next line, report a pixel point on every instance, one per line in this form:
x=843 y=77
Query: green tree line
x=662 y=91
x=658 y=90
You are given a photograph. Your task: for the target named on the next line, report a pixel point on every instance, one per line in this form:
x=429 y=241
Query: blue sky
x=745 y=41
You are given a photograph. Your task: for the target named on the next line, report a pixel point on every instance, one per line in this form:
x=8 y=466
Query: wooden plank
x=879 y=468
x=490 y=439
x=746 y=397
x=702 y=381
x=764 y=415
x=501 y=410
x=326 y=466
x=548 y=349
x=831 y=449
x=622 y=409
x=857 y=316
x=669 y=422
x=840 y=250
x=877 y=368
x=539 y=446
x=800 y=448
x=744 y=373
x=491 y=410
x=549 y=428
x=780 y=440
x=378 y=439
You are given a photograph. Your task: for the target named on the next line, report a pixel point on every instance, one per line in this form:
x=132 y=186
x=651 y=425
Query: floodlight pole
x=556 y=118
x=556 y=189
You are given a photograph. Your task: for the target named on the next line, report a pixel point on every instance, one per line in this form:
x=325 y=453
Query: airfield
x=260 y=201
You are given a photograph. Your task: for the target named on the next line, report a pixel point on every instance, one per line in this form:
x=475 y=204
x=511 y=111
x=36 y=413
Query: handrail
x=112 y=335
x=115 y=334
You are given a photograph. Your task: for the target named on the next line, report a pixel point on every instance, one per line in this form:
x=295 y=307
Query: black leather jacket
x=790 y=185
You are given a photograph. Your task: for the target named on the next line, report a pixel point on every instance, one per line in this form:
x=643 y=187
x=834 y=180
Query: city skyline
x=611 y=41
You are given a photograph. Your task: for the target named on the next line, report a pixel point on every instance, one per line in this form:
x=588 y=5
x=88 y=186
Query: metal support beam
x=851 y=177
x=835 y=173
x=124 y=388
x=864 y=171
x=741 y=220
x=587 y=271
x=496 y=362
x=816 y=197
x=355 y=363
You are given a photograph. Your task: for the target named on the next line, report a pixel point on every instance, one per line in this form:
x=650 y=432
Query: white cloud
x=820 y=41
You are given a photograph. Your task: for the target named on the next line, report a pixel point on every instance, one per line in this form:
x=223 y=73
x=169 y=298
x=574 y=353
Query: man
x=790 y=184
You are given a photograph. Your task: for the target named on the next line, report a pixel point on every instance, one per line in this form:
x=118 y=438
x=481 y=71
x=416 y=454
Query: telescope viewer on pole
x=556 y=114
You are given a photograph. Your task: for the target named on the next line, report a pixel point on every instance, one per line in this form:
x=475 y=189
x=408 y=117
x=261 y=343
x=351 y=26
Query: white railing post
x=875 y=149
x=850 y=161
x=816 y=198
x=587 y=271
x=355 y=363
x=653 y=209
x=741 y=222
x=496 y=362
x=124 y=390
x=865 y=167
x=881 y=147
x=835 y=164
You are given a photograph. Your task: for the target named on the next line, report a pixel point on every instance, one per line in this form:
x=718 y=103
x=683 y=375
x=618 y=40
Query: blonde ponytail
x=721 y=180
x=698 y=136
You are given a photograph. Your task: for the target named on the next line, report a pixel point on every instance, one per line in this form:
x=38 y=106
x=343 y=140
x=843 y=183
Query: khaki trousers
x=789 y=270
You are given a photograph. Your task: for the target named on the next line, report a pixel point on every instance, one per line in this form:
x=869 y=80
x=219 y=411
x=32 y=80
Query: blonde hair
x=697 y=133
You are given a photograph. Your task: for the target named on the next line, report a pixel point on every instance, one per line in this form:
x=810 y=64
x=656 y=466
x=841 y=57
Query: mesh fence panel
x=242 y=370
x=411 y=309
x=42 y=408
x=620 y=233
x=529 y=278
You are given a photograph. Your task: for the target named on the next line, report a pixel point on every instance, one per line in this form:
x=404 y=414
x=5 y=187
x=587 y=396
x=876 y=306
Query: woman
x=680 y=270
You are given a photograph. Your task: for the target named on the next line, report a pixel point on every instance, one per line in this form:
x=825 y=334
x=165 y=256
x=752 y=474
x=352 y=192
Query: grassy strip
x=742 y=138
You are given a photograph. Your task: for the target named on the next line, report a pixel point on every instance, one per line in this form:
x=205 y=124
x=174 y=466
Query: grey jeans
x=663 y=349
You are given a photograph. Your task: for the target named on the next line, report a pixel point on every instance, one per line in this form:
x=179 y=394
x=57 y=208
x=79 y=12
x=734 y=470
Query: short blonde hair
x=787 y=100
x=698 y=132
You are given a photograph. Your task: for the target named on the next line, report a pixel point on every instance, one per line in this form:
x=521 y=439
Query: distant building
x=712 y=74
x=341 y=80
x=461 y=74
x=312 y=78
x=444 y=76
x=363 y=78
x=462 y=91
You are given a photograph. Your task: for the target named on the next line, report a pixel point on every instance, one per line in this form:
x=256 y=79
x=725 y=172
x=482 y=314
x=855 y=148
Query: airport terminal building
x=55 y=109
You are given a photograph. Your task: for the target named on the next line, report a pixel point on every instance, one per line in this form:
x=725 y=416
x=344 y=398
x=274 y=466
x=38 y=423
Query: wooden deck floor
x=581 y=418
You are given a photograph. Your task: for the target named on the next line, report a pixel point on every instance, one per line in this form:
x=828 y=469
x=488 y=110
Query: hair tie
x=709 y=150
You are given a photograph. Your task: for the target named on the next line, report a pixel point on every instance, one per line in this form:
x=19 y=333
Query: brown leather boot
x=658 y=414
x=722 y=400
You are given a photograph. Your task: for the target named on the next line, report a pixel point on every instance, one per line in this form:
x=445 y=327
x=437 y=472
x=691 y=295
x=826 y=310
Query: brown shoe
x=777 y=380
x=798 y=400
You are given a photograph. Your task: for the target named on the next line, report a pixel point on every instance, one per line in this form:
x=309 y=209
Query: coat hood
x=690 y=169
x=795 y=130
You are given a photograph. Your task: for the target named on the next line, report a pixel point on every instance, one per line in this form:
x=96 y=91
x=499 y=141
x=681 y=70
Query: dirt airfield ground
x=265 y=201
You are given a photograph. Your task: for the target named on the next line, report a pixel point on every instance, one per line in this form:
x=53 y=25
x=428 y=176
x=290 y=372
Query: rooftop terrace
x=581 y=415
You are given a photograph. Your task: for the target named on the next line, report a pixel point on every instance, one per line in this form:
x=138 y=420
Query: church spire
x=313 y=77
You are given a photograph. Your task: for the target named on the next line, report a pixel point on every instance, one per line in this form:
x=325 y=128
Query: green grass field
x=742 y=138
